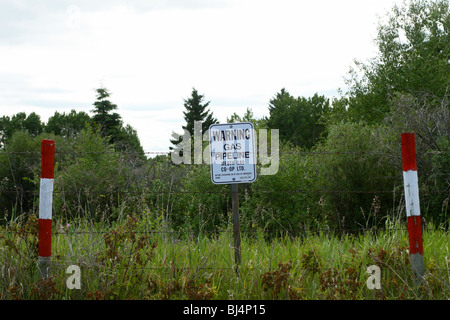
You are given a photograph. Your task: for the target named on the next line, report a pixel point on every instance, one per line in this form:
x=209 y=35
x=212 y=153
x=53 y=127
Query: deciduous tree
x=413 y=58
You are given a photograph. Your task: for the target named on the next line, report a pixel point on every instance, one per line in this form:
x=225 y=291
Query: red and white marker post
x=412 y=204
x=45 y=206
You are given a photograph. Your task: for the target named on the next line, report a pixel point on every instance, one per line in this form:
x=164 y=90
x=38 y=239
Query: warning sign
x=233 y=157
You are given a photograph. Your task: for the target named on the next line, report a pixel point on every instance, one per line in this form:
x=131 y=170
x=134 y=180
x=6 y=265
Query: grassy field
x=129 y=260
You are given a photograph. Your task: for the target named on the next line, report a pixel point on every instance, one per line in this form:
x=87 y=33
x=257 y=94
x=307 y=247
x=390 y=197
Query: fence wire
x=397 y=189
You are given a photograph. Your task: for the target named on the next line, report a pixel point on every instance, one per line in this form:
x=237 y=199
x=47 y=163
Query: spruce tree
x=109 y=122
x=124 y=138
x=196 y=110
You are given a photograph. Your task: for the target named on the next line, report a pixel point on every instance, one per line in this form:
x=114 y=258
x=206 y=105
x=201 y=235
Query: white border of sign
x=248 y=164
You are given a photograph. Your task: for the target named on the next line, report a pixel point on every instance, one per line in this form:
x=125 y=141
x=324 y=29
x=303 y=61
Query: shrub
x=90 y=178
x=353 y=173
x=280 y=202
x=200 y=204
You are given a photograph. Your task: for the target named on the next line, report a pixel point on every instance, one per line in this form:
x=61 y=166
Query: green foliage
x=354 y=176
x=91 y=178
x=403 y=89
x=109 y=122
x=249 y=117
x=436 y=186
x=20 y=165
x=339 y=166
x=196 y=111
x=67 y=125
x=125 y=262
x=158 y=200
x=127 y=141
x=413 y=53
x=19 y=122
x=429 y=122
x=201 y=205
x=124 y=138
x=280 y=203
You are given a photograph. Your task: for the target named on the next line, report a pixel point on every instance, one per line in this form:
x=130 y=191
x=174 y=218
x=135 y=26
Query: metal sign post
x=233 y=161
x=236 y=226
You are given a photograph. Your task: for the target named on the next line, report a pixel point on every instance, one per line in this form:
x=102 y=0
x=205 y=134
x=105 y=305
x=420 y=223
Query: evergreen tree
x=124 y=138
x=196 y=110
x=109 y=122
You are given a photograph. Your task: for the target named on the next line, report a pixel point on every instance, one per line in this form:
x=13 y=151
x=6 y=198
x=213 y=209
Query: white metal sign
x=233 y=156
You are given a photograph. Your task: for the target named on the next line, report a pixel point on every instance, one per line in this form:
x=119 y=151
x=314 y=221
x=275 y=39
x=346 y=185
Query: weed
x=202 y=291
x=310 y=261
x=15 y=292
x=126 y=254
x=273 y=282
x=123 y=263
x=296 y=293
x=170 y=288
x=27 y=234
x=96 y=295
x=45 y=289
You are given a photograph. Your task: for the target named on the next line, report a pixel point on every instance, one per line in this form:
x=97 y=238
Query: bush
x=356 y=179
x=20 y=170
x=90 y=179
x=201 y=205
x=280 y=202
x=428 y=117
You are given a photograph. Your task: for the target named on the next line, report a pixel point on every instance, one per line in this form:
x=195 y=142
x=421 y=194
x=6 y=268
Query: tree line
x=108 y=122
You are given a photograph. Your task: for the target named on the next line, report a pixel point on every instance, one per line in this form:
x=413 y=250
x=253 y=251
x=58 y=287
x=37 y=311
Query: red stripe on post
x=47 y=172
x=408 y=151
x=48 y=159
x=45 y=237
x=415 y=235
x=412 y=205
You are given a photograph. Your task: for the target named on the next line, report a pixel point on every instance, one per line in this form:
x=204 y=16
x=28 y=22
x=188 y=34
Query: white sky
x=150 y=54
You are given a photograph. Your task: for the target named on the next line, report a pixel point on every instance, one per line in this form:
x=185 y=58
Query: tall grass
x=130 y=260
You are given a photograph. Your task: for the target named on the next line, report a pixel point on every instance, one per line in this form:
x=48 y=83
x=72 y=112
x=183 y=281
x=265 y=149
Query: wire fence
x=219 y=258
x=395 y=181
x=216 y=254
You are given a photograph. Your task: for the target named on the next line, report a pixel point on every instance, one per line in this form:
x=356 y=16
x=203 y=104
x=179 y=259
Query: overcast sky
x=150 y=54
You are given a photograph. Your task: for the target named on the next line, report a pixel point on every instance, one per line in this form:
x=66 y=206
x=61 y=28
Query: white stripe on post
x=46 y=198
x=411 y=184
x=412 y=205
x=45 y=206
